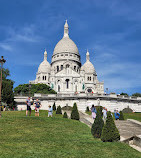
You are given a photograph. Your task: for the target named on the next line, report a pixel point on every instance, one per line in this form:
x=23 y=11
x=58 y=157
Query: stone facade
x=65 y=73
x=111 y=102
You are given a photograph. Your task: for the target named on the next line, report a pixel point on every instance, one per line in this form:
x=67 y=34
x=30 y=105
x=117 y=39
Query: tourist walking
x=28 y=103
x=104 y=111
x=117 y=114
x=37 y=107
x=50 y=110
x=93 y=110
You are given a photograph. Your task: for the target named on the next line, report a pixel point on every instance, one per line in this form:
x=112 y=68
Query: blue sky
x=109 y=29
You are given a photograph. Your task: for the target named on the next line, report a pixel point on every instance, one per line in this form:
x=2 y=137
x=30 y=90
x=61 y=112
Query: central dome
x=65 y=44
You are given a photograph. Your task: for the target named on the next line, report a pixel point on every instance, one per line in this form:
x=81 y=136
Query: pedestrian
x=37 y=107
x=117 y=114
x=104 y=111
x=93 y=110
x=28 y=103
x=50 y=111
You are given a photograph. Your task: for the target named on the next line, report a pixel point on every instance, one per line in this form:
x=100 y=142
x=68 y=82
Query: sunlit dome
x=66 y=44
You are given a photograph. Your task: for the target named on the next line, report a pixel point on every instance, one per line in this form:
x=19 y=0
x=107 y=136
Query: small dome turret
x=44 y=66
x=88 y=66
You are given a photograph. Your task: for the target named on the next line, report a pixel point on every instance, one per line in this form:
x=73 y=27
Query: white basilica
x=65 y=74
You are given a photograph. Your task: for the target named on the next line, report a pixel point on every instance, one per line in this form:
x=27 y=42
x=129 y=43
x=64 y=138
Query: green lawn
x=136 y=116
x=42 y=137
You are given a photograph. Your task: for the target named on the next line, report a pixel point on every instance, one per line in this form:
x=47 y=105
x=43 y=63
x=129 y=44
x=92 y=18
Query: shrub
x=65 y=115
x=54 y=107
x=121 y=117
x=110 y=133
x=59 y=110
x=98 y=124
x=74 y=113
x=127 y=110
x=87 y=109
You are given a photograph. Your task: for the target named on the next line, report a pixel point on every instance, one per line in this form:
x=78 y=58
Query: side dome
x=88 y=66
x=44 y=66
x=66 y=44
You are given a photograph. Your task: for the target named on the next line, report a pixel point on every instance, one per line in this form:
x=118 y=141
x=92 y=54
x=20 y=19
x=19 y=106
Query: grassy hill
x=34 y=137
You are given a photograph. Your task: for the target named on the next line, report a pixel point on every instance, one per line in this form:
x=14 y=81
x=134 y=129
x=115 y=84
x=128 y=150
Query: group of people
x=37 y=106
x=104 y=111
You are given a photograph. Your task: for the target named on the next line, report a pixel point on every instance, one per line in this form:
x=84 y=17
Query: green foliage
x=121 y=117
x=136 y=94
x=7 y=89
x=110 y=133
x=100 y=108
x=59 y=110
x=75 y=113
x=87 y=109
x=54 y=107
x=124 y=94
x=98 y=124
x=65 y=115
x=127 y=110
x=35 y=88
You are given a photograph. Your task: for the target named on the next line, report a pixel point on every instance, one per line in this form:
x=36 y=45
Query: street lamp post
x=2 y=61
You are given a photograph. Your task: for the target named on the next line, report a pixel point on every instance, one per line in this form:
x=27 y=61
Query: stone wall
x=111 y=102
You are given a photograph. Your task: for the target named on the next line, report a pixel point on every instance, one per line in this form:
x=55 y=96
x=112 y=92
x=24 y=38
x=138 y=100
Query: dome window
x=57 y=68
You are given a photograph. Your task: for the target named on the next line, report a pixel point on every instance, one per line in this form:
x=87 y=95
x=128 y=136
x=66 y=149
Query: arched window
x=74 y=67
x=67 y=83
x=67 y=66
x=57 y=68
x=90 y=78
x=61 y=67
x=43 y=77
x=58 y=88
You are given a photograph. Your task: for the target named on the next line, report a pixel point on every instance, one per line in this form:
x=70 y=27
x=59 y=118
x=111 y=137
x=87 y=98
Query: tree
x=54 y=107
x=87 y=109
x=109 y=132
x=121 y=117
x=124 y=94
x=98 y=124
x=136 y=94
x=65 y=115
x=75 y=113
x=35 y=88
x=59 y=110
x=7 y=89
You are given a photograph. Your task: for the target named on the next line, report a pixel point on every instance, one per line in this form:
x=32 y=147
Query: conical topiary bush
x=109 y=132
x=54 y=107
x=121 y=117
x=65 y=115
x=59 y=111
x=74 y=113
x=87 y=109
x=98 y=124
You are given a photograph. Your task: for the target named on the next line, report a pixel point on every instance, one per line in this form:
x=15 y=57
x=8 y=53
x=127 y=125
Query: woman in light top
x=93 y=110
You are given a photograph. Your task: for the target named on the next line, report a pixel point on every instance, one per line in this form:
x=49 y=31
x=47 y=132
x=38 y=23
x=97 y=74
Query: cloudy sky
x=109 y=29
